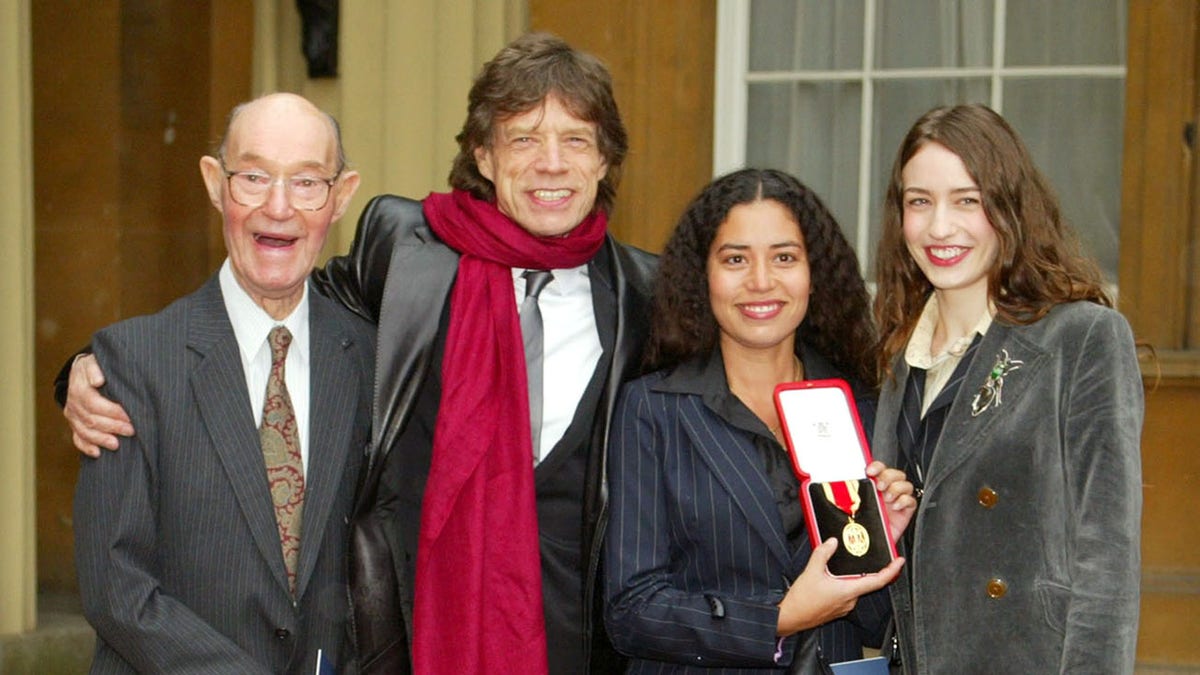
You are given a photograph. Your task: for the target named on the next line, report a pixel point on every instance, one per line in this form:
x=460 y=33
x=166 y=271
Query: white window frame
x=733 y=78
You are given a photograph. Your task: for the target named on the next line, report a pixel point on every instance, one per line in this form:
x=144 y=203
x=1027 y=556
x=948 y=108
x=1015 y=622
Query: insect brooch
x=992 y=389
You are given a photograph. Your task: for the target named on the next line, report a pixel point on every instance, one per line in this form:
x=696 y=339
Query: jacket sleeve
x=357 y=279
x=646 y=614
x=1103 y=424
x=116 y=532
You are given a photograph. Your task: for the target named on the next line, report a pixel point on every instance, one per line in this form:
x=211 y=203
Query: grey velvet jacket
x=1026 y=553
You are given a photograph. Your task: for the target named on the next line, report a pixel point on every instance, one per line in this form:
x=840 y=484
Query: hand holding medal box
x=829 y=454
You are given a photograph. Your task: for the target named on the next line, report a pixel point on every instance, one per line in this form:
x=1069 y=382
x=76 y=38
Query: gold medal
x=844 y=494
x=856 y=539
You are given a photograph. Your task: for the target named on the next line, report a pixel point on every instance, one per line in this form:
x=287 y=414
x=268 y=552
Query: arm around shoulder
x=357 y=279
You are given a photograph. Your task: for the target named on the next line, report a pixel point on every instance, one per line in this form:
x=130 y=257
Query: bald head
x=269 y=180
x=282 y=105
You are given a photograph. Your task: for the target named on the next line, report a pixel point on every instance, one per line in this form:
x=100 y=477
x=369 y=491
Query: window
x=826 y=89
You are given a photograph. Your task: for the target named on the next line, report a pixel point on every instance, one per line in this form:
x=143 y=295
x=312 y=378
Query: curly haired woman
x=708 y=559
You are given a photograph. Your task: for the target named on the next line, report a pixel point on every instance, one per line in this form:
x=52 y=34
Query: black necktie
x=531 y=331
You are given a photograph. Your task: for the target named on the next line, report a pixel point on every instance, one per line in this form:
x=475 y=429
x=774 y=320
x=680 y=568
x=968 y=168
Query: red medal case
x=829 y=454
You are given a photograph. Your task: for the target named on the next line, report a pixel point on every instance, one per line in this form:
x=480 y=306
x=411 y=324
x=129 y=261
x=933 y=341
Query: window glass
x=1073 y=128
x=1055 y=70
x=784 y=133
x=1041 y=33
x=933 y=33
x=806 y=35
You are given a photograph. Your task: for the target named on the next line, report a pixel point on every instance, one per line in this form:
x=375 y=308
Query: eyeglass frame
x=329 y=182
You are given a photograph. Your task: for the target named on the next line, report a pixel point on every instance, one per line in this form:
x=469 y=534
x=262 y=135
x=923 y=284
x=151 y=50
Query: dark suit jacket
x=399 y=275
x=697 y=555
x=1027 y=539
x=177 y=546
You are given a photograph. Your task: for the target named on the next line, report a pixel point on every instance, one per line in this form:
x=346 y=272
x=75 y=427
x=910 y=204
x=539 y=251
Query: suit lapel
x=734 y=464
x=334 y=386
x=229 y=420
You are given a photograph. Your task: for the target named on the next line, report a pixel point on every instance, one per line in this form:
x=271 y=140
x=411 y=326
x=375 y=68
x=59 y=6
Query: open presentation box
x=830 y=455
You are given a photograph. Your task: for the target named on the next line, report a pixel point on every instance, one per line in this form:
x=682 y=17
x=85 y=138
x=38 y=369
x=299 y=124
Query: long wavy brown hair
x=517 y=80
x=1039 y=264
x=838 y=321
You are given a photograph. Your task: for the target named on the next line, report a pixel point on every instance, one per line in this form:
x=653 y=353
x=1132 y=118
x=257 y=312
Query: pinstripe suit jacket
x=177 y=547
x=695 y=533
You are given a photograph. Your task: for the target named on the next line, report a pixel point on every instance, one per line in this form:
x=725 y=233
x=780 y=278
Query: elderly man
x=490 y=423
x=214 y=541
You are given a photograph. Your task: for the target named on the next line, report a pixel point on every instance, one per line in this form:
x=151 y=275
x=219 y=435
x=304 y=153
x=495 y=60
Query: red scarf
x=479 y=584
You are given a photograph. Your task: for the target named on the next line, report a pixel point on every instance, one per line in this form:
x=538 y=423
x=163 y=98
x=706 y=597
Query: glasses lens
x=308 y=192
x=252 y=189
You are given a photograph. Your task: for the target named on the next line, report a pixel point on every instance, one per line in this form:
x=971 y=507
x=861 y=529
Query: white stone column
x=18 y=572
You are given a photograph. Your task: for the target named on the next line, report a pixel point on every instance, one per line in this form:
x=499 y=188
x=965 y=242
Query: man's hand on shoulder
x=95 y=421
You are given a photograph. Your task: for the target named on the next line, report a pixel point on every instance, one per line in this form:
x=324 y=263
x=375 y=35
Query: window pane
x=1065 y=33
x=897 y=105
x=810 y=130
x=933 y=33
x=1073 y=128
x=807 y=35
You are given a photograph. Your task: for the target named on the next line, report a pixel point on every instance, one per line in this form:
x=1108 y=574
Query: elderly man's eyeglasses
x=305 y=192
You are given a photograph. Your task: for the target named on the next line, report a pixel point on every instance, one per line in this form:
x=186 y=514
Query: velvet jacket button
x=282 y=633
x=987 y=497
x=996 y=588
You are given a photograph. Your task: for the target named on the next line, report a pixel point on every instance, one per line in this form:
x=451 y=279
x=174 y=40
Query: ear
x=346 y=186
x=214 y=179
x=483 y=160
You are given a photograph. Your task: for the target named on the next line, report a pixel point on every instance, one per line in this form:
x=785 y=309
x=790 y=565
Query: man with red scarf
x=500 y=575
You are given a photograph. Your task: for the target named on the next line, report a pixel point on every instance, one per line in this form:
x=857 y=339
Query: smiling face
x=945 y=227
x=272 y=247
x=758 y=277
x=546 y=166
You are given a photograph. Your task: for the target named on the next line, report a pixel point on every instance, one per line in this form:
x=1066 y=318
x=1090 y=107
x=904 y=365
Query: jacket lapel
x=964 y=434
x=229 y=420
x=420 y=276
x=728 y=452
x=734 y=464
x=334 y=386
x=884 y=445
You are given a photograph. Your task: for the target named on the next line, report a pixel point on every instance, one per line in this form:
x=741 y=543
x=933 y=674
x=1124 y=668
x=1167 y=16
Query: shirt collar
x=251 y=323
x=918 y=353
x=566 y=281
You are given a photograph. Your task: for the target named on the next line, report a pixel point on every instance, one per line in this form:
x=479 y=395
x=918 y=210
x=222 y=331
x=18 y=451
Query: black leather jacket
x=399 y=275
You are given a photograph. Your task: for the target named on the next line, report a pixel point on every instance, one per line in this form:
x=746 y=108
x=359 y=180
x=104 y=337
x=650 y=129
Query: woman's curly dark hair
x=838 y=321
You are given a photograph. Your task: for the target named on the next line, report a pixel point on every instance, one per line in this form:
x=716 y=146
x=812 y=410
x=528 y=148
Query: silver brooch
x=992 y=389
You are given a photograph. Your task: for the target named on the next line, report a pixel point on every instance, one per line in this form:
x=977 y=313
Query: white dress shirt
x=251 y=326
x=571 y=347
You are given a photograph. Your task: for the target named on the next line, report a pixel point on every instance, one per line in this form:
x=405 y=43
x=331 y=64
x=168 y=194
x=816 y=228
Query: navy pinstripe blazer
x=695 y=532
x=177 y=548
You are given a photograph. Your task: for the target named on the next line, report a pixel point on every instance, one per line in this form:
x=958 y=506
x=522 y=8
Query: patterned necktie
x=281 y=452
x=531 y=331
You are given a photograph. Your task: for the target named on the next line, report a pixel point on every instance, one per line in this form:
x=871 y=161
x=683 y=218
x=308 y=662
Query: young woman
x=1012 y=398
x=709 y=565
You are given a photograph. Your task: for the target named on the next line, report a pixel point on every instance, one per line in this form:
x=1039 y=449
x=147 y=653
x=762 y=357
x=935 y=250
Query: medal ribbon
x=841 y=494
